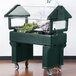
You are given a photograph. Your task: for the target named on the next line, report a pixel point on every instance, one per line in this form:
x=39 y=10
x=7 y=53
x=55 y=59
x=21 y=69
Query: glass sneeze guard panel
x=59 y=25
x=19 y=11
x=16 y=22
x=37 y=13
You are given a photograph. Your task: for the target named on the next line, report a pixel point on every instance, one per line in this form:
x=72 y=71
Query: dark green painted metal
x=50 y=51
x=58 y=39
x=51 y=26
x=60 y=13
x=15 y=14
x=30 y=38
x=53 y=44
x=9 y=23
x=21 y=52
x=52 y=56
x=26 y=20
x=8 y=14
x=40 y=39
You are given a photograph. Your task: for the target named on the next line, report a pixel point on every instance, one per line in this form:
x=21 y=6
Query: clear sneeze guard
x=38 y=14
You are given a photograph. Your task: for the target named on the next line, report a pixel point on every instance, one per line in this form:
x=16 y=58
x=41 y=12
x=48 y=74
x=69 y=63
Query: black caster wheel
x=16 y=66
x=26 y=63
x=50 y=72
x=59 y=69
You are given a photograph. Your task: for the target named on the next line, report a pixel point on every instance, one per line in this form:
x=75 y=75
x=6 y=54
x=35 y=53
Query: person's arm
x=47 y=22
x=40 y=24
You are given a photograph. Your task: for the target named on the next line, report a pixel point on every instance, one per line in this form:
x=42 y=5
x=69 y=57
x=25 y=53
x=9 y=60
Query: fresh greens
x=28 y=27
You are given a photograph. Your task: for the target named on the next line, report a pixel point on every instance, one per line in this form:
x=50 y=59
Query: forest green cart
x=53 y=43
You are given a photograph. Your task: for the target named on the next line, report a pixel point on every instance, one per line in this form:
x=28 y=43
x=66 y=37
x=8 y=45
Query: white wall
x=70 y=5
x=5 y=5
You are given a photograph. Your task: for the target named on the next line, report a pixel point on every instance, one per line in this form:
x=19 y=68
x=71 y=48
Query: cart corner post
x=53 y=55
x=16 y=12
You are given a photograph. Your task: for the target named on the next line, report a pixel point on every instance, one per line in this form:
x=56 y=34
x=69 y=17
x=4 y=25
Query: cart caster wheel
x=16 y=66
x=59 y=69
x=26 y=63
x=50 y=72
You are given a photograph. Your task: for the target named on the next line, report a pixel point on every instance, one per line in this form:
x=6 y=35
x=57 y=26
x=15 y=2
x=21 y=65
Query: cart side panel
x=59 y=39
x=21 y=52
x=30 y=38
x=61 y=55
x=52 y=56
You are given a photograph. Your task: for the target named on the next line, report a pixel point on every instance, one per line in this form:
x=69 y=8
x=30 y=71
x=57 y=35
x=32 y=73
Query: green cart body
x=53 y=44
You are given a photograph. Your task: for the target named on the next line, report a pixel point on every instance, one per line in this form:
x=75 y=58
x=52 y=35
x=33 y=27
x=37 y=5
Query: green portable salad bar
x=53 y=42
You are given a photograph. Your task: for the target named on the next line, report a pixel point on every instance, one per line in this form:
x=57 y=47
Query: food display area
x=39 y=30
